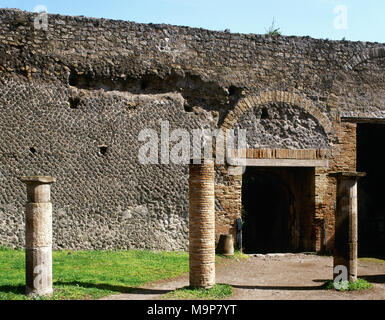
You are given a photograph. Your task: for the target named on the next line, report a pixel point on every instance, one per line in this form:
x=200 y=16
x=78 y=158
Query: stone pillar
x=346 y=229
x=202 y=224
x=38 y=235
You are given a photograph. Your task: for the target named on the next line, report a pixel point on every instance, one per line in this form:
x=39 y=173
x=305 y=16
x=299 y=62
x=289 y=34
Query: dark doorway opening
x=278 y=207
x=371 y=208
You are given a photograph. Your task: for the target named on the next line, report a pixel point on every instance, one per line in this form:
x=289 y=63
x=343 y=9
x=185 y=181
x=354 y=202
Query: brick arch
x=274 y=97
x=365 y=55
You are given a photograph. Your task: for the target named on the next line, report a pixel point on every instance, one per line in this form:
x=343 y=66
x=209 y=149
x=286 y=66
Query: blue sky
x=353 y=19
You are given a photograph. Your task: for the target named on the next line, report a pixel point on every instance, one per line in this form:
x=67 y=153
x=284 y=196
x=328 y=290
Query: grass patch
x=238 y=256
x=92 y=274
x=375 y=260
x=219 y=291
x=360 y=284
x=272 y=30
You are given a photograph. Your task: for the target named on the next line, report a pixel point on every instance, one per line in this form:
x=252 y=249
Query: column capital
x=347 y=174
x=38 y=179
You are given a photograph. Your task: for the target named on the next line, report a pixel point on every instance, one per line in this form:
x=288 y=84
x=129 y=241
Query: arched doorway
x=278 y=208
x=266 y=204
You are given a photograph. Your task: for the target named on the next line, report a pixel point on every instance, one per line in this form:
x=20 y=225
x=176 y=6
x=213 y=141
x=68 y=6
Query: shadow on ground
x=16 y=289
x=377 y=278
x=20 y=289
x=116 y=288
x=373 y=278
x=293 y=288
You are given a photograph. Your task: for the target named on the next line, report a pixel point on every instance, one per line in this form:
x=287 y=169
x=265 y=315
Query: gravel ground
x=276 y=277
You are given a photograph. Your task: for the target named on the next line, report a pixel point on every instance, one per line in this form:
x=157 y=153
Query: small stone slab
x=347 y=174
x=38 y=179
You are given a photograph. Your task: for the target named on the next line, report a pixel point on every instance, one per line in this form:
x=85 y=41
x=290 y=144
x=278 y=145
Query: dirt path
x=270 y=277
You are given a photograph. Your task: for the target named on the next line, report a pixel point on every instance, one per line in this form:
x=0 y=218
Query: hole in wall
x=188 y=108
x=103 y=150
x=144 y=84
x=265 y=114
x=235 y=92
x=232 y=90
x=74 y=103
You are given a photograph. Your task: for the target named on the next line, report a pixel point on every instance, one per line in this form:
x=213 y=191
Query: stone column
x=38 y=235
x=202 y=224
x=346 y=231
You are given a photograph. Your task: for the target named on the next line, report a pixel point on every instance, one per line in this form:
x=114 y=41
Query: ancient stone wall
x=75 y=97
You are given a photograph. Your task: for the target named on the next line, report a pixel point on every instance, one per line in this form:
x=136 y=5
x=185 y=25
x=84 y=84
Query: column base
x=39 y=271
x=34 y=293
